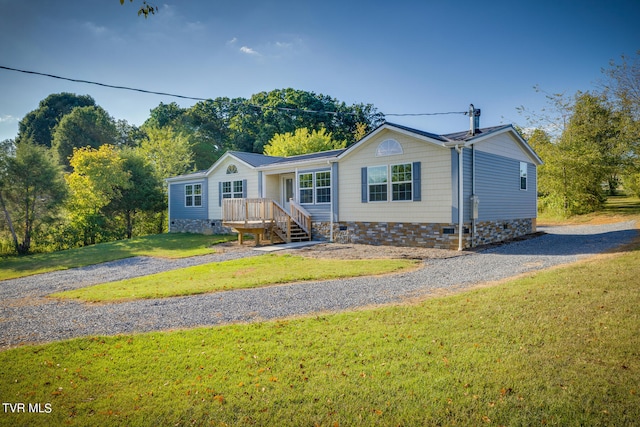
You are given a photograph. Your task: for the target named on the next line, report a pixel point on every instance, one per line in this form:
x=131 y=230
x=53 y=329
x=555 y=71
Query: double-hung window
x=232 y=189
x=305 y=181
x=315 y=187
x=323 y=187
x=401 y=182
x=377 y=177
x=193 y=195
x=401 y=178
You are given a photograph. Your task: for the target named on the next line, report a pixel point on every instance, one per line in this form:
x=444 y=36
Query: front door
x=287 y=190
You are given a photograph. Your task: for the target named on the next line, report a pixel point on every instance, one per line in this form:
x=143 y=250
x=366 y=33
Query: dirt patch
x=358 y=251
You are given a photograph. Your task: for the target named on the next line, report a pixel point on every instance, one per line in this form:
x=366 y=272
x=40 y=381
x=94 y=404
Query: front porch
x=267 y=219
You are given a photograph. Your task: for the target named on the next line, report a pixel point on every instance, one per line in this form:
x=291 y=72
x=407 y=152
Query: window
x=232 y=169
x=305 y=180
x=323 y=187
x=388 y=147
x=401 y=180
x=315 y=187
x=523 y=176
x=401 y=183
x=193 y=195
x=232 y=190
x=377 y=181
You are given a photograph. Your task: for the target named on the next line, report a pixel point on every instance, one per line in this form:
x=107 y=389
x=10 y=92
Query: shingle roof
x=255 y=159
x=417 y=131
x=465 y=136
x=312 y=156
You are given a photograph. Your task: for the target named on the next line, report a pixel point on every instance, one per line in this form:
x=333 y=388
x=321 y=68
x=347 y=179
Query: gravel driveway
x=27 y=316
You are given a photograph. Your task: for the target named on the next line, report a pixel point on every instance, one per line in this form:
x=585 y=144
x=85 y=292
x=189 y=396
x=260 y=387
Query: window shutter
x=244 y=188
x=220 y=193
x=417 y=182
x=364 y=185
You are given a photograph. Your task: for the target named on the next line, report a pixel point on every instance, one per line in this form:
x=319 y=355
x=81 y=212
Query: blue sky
x=402 y=57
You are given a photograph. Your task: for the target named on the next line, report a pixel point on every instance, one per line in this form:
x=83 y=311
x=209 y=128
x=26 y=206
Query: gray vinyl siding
x=467 y=164
x=498 y=188
x=177 y=207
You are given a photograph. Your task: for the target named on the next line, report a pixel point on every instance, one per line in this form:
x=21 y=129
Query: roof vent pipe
x=474 y=119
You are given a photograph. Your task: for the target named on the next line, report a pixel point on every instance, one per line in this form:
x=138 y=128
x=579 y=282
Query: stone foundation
x=429 y=235
x=198 y=226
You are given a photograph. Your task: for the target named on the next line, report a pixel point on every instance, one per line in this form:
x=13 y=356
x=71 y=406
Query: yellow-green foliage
x=302 y=142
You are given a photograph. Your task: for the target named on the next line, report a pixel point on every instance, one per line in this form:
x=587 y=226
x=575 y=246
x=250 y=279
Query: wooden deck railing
x=262 y=212
x=247 y=210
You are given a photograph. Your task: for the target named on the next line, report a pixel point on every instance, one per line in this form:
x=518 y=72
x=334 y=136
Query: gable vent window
x=232 y=169
x=389 y=147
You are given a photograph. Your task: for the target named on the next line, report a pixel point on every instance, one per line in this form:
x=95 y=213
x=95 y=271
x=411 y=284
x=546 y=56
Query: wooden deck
x=264 y=217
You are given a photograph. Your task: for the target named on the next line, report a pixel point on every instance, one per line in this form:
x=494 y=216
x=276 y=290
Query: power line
x=53 y=76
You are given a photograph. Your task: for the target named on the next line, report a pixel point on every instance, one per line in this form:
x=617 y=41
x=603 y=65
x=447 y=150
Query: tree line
x=589 y=142
x=75 y=176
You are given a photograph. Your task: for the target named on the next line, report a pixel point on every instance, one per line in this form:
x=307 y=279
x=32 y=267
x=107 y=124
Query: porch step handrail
x=300 y=216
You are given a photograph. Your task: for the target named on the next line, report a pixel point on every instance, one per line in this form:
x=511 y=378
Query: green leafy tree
x=83 y=127
x=143 y=193
x=169 y=152
x=32 y=190
x=99 y=176
x=146 y=9
x=38 y=125
x=302 y=142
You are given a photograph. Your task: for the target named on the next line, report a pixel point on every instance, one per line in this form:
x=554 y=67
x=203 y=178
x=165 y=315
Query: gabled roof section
x=255 y=159
x=416 y=131
x=312 y=156
x=464 y=136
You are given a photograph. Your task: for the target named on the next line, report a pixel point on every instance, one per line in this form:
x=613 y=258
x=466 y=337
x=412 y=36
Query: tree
x=301 y=142
x=98 y=177
x=168 y=151
x=31 y=191
x=83 y=127
x=38 y=124
x=143 y=192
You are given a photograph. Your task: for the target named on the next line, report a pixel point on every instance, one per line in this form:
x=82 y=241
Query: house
x=396 y=186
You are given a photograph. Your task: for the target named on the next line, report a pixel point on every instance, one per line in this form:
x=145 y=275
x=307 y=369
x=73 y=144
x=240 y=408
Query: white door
x=287 y=190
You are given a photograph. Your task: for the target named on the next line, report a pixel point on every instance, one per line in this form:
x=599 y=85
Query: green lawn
x=172 y=245
x=560 y=347
x=237 y=274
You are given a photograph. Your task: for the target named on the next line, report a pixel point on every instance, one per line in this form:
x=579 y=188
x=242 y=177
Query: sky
x=404 y=57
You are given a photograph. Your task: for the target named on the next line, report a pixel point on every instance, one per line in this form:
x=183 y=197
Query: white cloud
x=5 y=118
x=97 y=30
x=249 y=51
x=232 y=41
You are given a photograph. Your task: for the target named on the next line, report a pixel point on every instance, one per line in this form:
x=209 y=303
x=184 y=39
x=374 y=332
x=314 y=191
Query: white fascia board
x=286 y=167
x=189 y=177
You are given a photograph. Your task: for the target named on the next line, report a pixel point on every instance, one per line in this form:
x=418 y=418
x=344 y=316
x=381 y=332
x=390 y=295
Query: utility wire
x=206 y=99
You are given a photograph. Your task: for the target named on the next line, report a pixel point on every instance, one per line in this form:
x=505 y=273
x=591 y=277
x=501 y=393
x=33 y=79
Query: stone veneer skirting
x=198 y=226
x=429 y=235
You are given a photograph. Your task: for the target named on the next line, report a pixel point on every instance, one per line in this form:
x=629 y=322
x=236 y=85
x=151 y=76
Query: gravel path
x=27 y=316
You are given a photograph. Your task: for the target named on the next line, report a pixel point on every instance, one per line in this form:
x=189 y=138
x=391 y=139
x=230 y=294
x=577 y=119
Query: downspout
x=330 y=163
x=460 y=197
x=168 y=207
x=473 y=194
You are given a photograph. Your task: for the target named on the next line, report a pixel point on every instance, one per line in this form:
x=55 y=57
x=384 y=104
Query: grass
x=237 y=274
x=560 y=347
x=160 y=245
x=616 y=209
